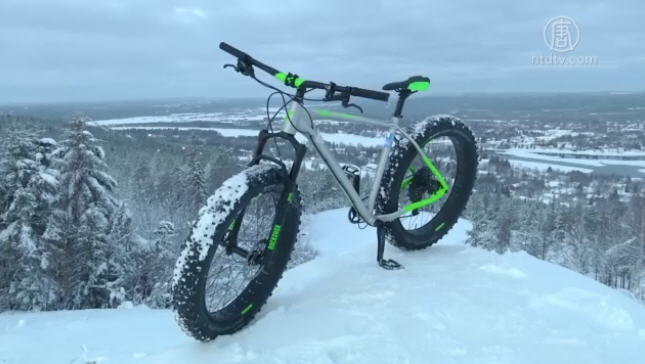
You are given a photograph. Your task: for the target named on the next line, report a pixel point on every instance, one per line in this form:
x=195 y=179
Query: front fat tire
x=402 y=155
x=191 y=270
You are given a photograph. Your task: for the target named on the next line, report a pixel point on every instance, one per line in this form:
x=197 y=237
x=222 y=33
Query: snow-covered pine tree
x=85 y=266
x=29 y=185
x=157 y=263
x=639 y=269
x=167 y=189
x=124 y=243
x=505 y=220
x=483 y=232
x=637 y=208
x=220 y=167
x=527 y=230
x=196 y=183
x=546 y=232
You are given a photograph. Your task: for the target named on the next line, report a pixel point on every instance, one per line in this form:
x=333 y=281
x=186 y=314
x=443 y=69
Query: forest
x=92 y=218
x=594 y=225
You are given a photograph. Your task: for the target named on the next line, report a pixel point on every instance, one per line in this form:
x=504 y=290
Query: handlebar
x=244 y=60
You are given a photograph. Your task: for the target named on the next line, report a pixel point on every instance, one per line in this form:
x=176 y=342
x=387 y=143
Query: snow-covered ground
x=532 y=154
x=545 y=166
x=541 y=159
x=451 y=304
x=552 y=155
x=605 y=153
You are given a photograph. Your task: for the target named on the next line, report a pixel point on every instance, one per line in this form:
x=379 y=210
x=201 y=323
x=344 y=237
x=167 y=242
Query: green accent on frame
x=290 y=197
x=419 y=86
x=440 y=226
x=283 y=77
x=406 y=182
x=427 y=201
x=434 y=171
x=435 y=196
x=275 y=234
x=247 y=309
x=232 y=226
x=325 y=113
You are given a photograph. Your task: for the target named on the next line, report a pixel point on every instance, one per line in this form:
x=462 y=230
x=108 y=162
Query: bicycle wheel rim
x=443 y=151
x=229 y=274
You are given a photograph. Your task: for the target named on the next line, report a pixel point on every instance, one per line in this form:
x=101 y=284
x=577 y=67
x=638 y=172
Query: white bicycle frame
x=299 y=120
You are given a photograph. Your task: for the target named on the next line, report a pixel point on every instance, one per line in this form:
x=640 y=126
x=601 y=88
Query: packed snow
x=524 y=153
x=604 y=153
x=589 y=158
x=451 y=304
x=545 y=166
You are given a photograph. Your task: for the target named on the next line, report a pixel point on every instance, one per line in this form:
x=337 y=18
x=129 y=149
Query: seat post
x=403 y=95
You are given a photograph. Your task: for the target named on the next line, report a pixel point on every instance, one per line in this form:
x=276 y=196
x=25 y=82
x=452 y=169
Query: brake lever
x=346 y=105
x=243 y=66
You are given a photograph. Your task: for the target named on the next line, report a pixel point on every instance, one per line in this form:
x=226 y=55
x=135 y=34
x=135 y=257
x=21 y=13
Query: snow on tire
x=402 y=155
x=193 y=264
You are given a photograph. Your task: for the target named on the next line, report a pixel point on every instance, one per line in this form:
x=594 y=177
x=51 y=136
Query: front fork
x=286 y=197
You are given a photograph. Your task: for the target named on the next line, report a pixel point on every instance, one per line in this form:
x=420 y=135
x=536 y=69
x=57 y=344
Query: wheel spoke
x=426 y=203
x=230 y=274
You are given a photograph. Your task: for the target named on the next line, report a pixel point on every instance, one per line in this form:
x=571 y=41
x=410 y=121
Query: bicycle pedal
x=353 y=216
x=390 y=264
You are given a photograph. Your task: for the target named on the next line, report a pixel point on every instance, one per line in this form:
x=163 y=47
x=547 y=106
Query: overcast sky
x=79 y=50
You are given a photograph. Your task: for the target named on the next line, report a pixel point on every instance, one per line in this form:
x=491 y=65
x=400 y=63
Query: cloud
x=79 y=50
x=190 y=15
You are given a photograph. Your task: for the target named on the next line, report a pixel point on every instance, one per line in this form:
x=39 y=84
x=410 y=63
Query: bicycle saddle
x=414 y=83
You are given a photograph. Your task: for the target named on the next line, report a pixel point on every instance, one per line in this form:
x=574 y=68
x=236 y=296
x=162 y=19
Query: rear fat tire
x=191 y=272
x=402 y=156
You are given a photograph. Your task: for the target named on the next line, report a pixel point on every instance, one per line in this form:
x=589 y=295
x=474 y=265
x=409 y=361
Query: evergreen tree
x=87 y=204
x=637 y=208
x=504 y=225
x=219 y=169
x=121 y=263
x=546 y=232
x=29 y=186
x=156 y=263
x=483 y=232
x=196 y=173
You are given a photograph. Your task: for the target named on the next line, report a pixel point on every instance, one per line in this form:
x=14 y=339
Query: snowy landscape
x=451 y=304
x=537 y=260
x=492 y=211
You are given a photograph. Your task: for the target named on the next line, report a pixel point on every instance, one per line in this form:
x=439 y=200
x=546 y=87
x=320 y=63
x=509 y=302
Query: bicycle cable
x=285 y=103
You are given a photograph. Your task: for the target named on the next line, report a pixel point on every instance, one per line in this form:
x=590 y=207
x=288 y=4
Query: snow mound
x=451 y=304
